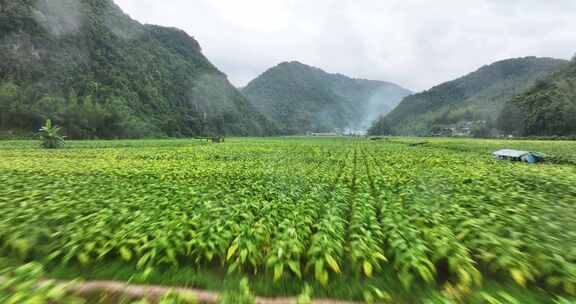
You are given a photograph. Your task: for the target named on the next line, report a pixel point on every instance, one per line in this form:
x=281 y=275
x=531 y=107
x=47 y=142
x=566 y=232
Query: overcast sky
x=415 y=43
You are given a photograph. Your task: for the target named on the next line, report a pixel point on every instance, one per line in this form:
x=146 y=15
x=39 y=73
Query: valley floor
x=352 y=219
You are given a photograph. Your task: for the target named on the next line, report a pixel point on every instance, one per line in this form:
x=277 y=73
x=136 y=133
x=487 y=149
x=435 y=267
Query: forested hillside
x=547 y=109
x=479 y=96
x=301 y=98
x=98 y=73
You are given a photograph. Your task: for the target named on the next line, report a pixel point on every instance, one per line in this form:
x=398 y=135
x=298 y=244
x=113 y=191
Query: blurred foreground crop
x=351 y=219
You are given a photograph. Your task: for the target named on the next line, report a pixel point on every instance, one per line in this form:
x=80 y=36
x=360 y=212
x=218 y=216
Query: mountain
x=547 y=109
x=301 y=98
x=479 y=96
x=98 y=73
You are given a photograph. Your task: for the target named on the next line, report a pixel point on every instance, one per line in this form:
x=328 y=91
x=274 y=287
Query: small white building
x=517 y=155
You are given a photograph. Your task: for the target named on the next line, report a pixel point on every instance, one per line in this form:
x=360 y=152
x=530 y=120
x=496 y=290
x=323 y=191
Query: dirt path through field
x=154 y=292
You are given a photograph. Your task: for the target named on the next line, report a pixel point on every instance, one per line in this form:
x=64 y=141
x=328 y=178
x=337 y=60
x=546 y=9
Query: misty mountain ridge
x=300 y=98
x=96 y=72
x=100 y=74
x=478 y=96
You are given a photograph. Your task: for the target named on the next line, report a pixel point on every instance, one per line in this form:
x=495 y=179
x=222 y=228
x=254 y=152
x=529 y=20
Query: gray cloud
x=416 y=43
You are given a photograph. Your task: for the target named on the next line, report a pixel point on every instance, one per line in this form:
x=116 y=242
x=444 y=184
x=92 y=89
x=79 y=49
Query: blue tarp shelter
x=517 y=155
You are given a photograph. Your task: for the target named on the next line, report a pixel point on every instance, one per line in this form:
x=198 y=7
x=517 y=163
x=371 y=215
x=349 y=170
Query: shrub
x=50 y=134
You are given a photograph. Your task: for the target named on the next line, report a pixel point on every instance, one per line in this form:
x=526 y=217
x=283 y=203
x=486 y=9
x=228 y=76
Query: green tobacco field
x=353 y=219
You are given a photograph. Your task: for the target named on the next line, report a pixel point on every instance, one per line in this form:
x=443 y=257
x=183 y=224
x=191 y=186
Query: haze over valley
x=287 y=151
x=98 y=73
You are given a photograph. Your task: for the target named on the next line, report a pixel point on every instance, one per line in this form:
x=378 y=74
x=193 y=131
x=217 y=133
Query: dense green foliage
x=99 y=74
x=23 y=285
x=479 y=96
x=27 y=284
x=300 y=98
x=547 y=109
x=351 y=218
